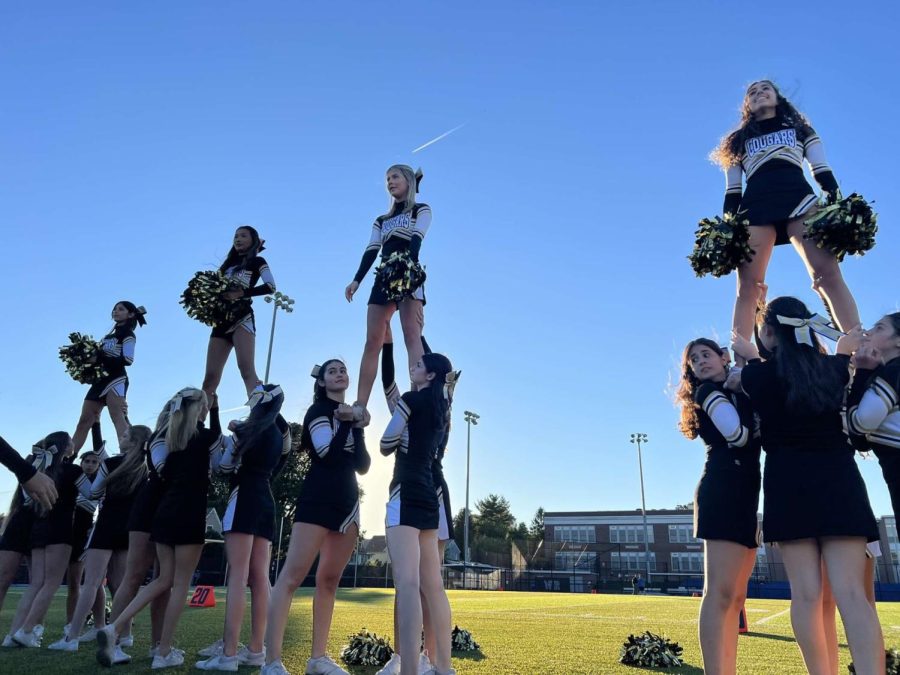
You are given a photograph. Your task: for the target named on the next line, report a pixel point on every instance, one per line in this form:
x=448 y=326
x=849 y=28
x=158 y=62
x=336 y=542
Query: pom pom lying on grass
x=367 y=649
x=461 y=640
x=648 y=650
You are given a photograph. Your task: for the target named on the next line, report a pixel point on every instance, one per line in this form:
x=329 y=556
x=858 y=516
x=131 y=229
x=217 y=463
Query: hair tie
x=262 y=396
x=450 y=380
x=139 y=315
x=262 y=246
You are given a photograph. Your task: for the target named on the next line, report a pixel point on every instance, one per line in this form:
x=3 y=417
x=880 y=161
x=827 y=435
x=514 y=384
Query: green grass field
x=519 y=633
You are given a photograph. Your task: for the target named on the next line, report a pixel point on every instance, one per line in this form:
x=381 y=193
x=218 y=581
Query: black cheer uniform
x=396 y=232
x=772 y=162
x=251 y=504
x=111 y=529
x=727 y=496
x=180 y=518
x=873 y=420
x=17 y=531
x=117 y=354
x=330 y=493
x=246 y=274
x=57 y=527
x=414 y=435
x=811 y=484
x=82 y=526
x=148 y=495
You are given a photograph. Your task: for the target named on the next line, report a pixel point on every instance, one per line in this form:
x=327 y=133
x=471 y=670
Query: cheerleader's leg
x=829 y=624
x=432 y=587
x=217 y=354
x=403 y=547
x=238 y=547
x=333 y=558
x=828 y=282
x=35 y=581
x=378 y=318
x=95 y=565
x=56 y=560
x=260 y=592
x=412 y=320
x=245 y=353
x=90 y=413
x=749 y=277
x=9 y=565
x=845 y=561
x=430 y=641
x=186 y=559
x=115 y=404
x=803 y=564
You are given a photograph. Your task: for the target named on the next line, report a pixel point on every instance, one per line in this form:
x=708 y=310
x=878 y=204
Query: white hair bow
x=804 y=328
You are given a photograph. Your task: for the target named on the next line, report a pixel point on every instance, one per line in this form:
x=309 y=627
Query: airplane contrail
x=435 y=140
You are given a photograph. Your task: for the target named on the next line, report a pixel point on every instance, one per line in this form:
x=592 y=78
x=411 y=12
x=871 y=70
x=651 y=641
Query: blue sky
x=137 y=137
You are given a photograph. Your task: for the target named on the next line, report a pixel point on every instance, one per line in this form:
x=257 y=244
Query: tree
x=685 y=507
x=537 y=524
x=495 y=518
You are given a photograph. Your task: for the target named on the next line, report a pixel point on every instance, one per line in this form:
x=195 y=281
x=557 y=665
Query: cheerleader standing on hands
x=246 y=267
x=726 y=499
x=768 y=149
x=815 y=507
x=413 y=512
x=253 y=456
x=118 y=354
x=401 y=230
x=326 y=519
x=182 y=452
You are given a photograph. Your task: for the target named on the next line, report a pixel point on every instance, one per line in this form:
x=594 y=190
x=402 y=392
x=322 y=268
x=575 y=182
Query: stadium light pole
x=281 y=302
x=637 y=439
x=471 y=418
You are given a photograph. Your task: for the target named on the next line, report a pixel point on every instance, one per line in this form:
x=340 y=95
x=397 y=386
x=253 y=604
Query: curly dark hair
x=731 y=148
x=689 y=424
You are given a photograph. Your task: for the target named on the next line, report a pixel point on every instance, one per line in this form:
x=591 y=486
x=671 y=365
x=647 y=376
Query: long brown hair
x=689 y=424
x=132 y=472
x=731 y=148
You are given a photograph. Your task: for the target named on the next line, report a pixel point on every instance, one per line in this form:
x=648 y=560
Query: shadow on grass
x=363 y=595
x=686 y=669
x=469 y=656
x=769 y=636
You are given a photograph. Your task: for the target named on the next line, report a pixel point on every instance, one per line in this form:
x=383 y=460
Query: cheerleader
x=245 y=267
x=413 y=511
x=15 y=544
x=445 y=524
x=326 y=518
x=768 y=150
x=116 y=486
x=727 y=496
x=873 y=405
x=82 y=523
x=141 y=554
x=182 y=451
x=51 y=536
x=816 y=507
x=39 y=486
x=117 y=354
x=402 y=229
x=252 y=456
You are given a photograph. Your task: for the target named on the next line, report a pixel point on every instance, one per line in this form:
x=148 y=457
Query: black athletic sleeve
x=368 y=258
x=361 y=459
x=13 y=461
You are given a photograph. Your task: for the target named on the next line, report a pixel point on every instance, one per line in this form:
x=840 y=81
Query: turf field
x=519 y=633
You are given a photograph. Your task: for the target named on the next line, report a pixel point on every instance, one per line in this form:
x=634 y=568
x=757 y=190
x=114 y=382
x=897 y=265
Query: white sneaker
x=38 y=630
x=274 y=668
x=27 y=639
x=126 y=640
x=9 y=642
x=155 y=650
x=121 y=657
x=424 y=664
x=89 y=635
x=65 y=645
x=106 y=646
x=392 y=667
x=324 y=665
x=66 y=629
x=434 y=671
x=213 y=650
x=247 y=658
x=219 y=662
x=170 y=660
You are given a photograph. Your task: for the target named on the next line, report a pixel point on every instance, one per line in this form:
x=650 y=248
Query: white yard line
x=766 y=619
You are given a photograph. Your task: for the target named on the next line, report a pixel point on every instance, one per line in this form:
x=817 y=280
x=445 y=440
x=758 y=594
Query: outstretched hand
x=351 y=290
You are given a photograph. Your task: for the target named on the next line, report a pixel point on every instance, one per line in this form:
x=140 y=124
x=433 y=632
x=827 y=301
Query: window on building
x=890 y=527
x=682 y=534
x=623 y=561
x=583 y=561
x=629 y=534
x=691 y=561
x=575 y=534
